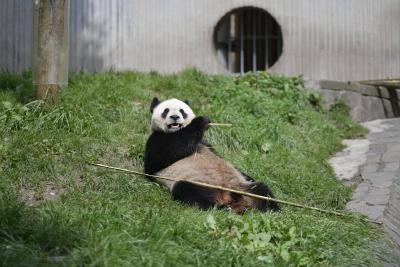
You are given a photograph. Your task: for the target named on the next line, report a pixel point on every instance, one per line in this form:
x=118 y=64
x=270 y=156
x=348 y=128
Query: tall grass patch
x=77 y=214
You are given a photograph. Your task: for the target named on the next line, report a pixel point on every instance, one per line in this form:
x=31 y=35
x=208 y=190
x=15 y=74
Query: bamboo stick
x=220 y=124
x=229 y=190
x=382 y=82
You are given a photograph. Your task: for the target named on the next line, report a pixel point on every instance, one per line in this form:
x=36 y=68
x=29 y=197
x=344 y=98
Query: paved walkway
x=378 y=193
x=373 y=164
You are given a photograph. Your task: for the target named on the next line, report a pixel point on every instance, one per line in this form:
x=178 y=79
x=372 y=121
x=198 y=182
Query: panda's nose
x=174 y=117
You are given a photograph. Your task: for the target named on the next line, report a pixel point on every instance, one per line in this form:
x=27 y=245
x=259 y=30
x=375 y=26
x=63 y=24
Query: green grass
x=280 y=136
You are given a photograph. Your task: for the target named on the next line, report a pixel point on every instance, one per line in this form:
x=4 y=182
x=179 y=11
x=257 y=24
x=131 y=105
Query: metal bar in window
x=229 y=43
x=241 y=42
x=254 y=42
x=266 y=41
x=279 y=48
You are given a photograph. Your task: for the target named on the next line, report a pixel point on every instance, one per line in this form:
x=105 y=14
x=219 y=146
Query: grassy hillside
x=55 y=209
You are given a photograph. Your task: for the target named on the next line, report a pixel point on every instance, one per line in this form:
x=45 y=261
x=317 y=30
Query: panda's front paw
x=201 y=122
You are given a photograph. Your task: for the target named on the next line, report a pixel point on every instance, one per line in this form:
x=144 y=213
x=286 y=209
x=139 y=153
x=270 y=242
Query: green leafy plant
x=12 y=115
x=268 y=240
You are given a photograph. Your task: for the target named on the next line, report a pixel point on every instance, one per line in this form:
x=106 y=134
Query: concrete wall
x=322 y=39
x=366 y=102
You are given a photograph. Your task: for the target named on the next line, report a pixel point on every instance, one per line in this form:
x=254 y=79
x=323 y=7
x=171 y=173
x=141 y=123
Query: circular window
x=248 y=39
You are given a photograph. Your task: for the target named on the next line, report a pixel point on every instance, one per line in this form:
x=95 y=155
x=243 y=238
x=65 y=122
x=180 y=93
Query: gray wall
x=15 y=34
x=323 y=39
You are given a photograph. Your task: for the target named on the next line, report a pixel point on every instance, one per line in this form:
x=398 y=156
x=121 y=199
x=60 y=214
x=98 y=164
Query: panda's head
x=170 y=115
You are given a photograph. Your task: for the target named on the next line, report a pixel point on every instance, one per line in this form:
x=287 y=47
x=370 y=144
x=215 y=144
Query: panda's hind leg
x=263 y=190
x=207 y=198
x=193 y=194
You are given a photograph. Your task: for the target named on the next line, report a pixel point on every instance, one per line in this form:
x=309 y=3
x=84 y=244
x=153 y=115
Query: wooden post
x=50 y=47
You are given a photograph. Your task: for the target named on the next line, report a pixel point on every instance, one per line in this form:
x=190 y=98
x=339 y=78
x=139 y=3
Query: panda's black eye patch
x=184 y=115
x=165 y=113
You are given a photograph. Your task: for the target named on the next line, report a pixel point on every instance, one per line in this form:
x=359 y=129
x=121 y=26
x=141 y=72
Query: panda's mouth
x=174 y=125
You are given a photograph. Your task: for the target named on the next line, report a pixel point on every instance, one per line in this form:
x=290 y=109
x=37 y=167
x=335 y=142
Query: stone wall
x=366 y=102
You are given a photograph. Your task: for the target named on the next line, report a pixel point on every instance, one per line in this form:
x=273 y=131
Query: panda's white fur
x=158 y=123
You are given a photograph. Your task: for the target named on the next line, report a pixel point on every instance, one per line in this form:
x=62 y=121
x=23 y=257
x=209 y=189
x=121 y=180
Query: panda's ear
x=187 y=102
x=154 y=103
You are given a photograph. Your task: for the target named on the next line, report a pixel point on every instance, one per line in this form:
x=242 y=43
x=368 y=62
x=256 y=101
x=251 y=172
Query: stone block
x=395 y=128
x=374 y=212
x=348 y=86
x=377 y=148
x=352 y=99
x=369 y=91
x=373 y=191
x=389 y=138
x=365 y=108
x=374 y=108
x=383 y=92
x=393 y=147
x=355 y=205
x=357 y=106
x=387 y=104
x=397 y=93
x=376 y=128
x=377 y=196
x=376 y=199
x=392 y=227
x=373 y=167
x=361 y=190
x=329 y=97
x=378 y=175
x=373 y=159
x=392 y=167
x=379 y=179
x=393 y=156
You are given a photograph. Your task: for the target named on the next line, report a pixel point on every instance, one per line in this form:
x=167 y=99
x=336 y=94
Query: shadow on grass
x=32 y=236
x=18 y=85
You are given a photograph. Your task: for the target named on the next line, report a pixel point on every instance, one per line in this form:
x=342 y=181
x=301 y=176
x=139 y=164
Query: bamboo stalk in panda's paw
x=220 y=124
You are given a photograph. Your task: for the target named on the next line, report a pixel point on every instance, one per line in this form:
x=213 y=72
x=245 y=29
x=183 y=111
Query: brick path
x=378 y=193
x=374 y=165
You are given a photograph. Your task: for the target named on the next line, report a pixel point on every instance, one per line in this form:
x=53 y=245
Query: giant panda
x=176 y=149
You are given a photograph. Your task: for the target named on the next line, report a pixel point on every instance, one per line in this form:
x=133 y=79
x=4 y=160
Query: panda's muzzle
x=175 y=125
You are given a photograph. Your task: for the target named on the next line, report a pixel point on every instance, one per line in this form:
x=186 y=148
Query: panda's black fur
x=164 y=149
